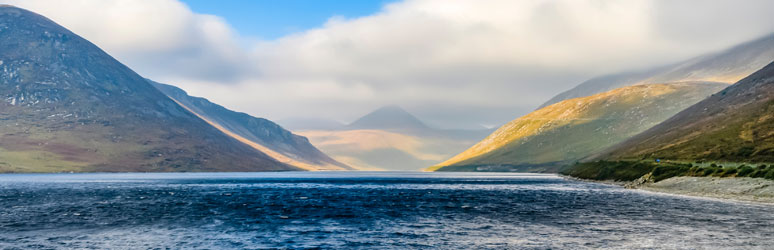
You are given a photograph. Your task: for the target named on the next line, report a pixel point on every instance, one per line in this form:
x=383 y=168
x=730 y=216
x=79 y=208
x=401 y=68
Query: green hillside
x=734 y=125
x=573 y=129
x=66 y=105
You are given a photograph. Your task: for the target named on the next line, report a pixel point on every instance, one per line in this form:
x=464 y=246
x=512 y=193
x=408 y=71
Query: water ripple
x=362 y=210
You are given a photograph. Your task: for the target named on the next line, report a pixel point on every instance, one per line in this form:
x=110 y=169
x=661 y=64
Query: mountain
x=572 y=129
x=735 y=124
x=264 y=135
x=727 y=66
x=66 y=105
x=390 y=138
x=389 y=118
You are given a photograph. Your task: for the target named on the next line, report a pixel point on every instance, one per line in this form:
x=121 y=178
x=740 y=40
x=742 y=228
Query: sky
x=453 y=63
x=271 y=19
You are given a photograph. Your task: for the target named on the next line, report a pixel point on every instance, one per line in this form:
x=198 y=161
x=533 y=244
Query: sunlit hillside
x=572 y=129
x=735 y=124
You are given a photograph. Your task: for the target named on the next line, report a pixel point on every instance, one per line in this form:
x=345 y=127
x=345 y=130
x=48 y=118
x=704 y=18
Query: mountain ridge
x=260 y=133
x=390 y=117
x=572 y=129
x=728 y=65
x=732 y=125
x=66 y=105
x=401 y=142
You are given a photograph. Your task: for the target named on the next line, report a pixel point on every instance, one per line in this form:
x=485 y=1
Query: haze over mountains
x=390 y=138
x=391 y=118
x=309 y=123
x=726 y=66
x=566 y=130
x=736 y=124
x=264 y=135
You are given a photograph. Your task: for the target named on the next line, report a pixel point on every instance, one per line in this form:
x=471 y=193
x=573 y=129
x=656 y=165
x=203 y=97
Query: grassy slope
x=736 y=124
x=68 y=106
x=572 y=129
x=36 y=142
x=633 y=170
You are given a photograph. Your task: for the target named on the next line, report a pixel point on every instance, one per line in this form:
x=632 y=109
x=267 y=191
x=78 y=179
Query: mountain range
x=390 y=138
x=736 y=124
x=726 y=66
x=66 y=105
x=570 y=130
x=582 y=122
x=261 y=134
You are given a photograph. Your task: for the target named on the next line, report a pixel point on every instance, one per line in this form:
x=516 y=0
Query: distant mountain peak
x=389 y=118
x=262 y=134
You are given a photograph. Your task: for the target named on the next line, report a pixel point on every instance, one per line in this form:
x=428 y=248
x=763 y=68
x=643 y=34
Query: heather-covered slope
x=726 y=66
x=572 y=129
x=264 y=135
x=66 y=105
x=736 y=124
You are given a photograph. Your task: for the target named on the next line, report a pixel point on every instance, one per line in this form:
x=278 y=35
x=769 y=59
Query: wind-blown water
x=362 y=210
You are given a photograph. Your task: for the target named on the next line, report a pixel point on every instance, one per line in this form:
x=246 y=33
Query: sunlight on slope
x=370 y=139
x=271 y=153
x=617 y=104
x=379 y=149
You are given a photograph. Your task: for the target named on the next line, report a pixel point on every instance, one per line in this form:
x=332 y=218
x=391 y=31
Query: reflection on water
x=362 y=210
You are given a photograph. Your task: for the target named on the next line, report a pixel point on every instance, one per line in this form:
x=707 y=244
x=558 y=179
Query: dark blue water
x=362 y=210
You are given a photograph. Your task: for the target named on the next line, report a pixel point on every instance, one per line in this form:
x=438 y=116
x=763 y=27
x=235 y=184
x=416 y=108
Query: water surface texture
x=393 y=210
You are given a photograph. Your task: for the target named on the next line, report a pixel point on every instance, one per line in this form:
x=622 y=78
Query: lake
x=384 y=210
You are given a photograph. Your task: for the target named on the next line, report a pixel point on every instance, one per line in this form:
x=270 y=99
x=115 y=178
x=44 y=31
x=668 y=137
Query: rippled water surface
x=362 y=210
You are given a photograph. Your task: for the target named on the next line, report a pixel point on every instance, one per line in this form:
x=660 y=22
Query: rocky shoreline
x=733 y=188
x=729 y=188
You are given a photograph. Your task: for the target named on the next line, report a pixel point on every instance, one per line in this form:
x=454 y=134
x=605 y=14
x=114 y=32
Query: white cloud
x=157 y=38
x=451 y=61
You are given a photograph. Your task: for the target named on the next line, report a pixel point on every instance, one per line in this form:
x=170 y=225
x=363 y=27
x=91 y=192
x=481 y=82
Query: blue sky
x=271 y=19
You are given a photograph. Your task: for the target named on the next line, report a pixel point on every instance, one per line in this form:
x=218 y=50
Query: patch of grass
x=663 y=172
x=36 y=161
x=745 y=171
x=609 y=170
x=632 y=170
x=769 y=175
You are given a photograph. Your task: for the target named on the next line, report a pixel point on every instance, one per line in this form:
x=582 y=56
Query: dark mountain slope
x=275 y=141
x=736 y=124
x=66 y=105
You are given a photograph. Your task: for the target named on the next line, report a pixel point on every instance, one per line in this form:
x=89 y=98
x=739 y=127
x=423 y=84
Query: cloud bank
x=455 y=63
